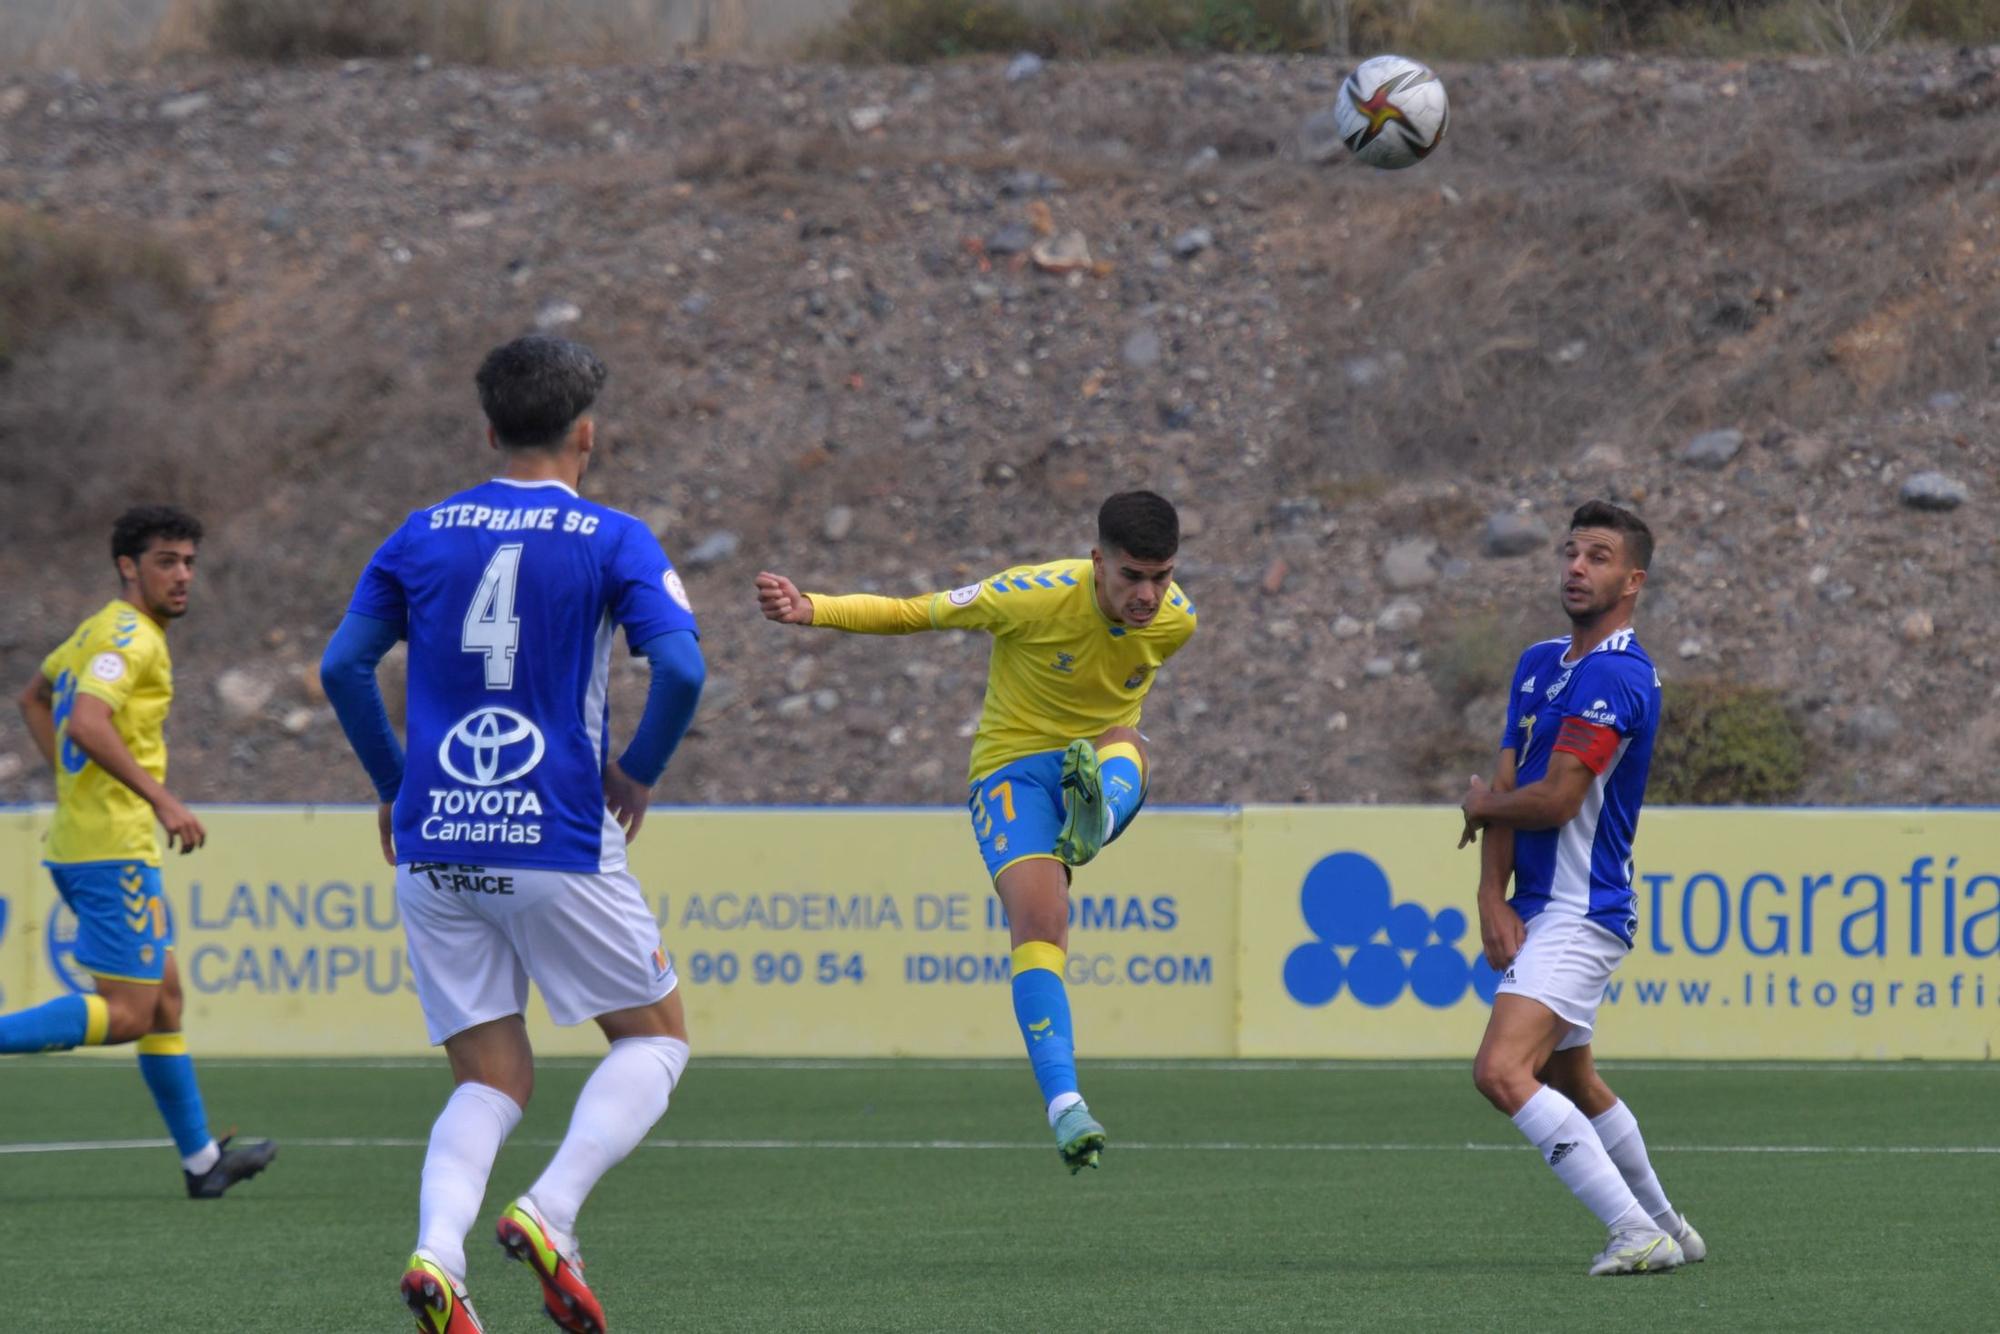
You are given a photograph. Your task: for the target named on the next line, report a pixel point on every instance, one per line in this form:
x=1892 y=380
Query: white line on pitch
x=981 y=1145
x=1223 y=1065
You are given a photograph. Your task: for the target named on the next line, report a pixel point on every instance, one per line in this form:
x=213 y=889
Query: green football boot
x=1084 y=814
x=1079 y=1139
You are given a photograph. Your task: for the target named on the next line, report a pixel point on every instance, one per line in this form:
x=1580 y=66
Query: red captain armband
x=1593 y=743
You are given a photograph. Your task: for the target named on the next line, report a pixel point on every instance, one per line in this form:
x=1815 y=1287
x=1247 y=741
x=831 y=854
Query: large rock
x=1712 y=450
x=1409 y=564
x=243 y=694
x=1512 y=534
x=1142 y=348
x=1399 y=617
x=717 y=547
x=1933 y=491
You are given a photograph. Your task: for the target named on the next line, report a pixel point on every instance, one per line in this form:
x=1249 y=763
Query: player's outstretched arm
x=859 y=613
x=95 y=733
x=38 y=711
x=780 y=600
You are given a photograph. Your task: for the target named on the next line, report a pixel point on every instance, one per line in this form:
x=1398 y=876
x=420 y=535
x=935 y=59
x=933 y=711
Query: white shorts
x=477 y=934
x=1564 y=965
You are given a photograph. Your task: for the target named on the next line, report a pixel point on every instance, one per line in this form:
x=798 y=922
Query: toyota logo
x=487 y=738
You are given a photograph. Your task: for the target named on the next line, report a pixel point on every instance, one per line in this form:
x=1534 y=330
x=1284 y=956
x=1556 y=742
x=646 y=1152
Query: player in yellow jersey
x=1058 y=764
x=97 y=710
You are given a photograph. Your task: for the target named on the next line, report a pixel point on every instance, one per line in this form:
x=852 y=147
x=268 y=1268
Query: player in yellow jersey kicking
x=97 y=710
x=1058 y=765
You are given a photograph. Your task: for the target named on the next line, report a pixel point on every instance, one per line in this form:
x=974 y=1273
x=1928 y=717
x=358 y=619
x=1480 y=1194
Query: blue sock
x=57 y=1025
x=1041 y=1005
x=169 y=1072
x=1124 y=779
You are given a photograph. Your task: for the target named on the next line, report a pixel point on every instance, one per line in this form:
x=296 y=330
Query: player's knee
x=167 y=1013
x=128 y=1017
x=1128 y=735
x=1501 y=1082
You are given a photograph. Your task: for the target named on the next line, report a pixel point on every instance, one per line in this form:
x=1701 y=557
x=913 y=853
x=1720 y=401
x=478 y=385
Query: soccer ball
x=1391 y=112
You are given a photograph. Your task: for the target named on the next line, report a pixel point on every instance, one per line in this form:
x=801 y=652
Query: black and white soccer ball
x=1391 y=112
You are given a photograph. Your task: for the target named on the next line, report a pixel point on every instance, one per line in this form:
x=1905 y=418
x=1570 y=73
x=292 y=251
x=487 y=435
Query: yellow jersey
x=120 y=656
x=1061 y=670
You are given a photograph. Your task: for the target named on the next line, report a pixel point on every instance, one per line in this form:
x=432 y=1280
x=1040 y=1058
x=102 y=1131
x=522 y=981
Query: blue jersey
x=1604 y=710
x=509 y=594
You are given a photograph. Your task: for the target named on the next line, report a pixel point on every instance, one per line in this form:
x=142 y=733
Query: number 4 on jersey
x=491 y=627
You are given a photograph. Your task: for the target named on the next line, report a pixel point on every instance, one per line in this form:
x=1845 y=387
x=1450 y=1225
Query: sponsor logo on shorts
x=463 y=879
x=1375 y=949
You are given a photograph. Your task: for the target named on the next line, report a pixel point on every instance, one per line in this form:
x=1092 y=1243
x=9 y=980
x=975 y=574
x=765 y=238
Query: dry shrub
x=53 y=273
x=914 y=31
x=1722 y=744
x=491 y=32
x=308 y=29
x=741 y=151
x=99 y=342
x=1970 y=22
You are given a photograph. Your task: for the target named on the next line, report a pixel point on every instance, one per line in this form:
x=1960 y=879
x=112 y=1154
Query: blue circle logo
x=1375 y=948
x=60 y=936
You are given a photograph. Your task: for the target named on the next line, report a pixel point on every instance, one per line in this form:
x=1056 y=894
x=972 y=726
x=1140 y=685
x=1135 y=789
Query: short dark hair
x=1604 y=514
x=1140 y=524
x=534 y=388
x=138 y=527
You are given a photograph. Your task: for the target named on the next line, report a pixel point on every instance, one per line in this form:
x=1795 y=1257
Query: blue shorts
x=123 y=928
x=1017 y=811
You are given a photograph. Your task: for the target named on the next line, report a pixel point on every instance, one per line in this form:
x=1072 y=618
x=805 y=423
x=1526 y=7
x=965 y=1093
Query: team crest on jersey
x=964 y=597
x=1137 y=678
x=676 y=589
x=107 y=667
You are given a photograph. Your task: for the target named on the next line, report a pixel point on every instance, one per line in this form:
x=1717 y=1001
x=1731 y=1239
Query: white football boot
x=1639 y=1250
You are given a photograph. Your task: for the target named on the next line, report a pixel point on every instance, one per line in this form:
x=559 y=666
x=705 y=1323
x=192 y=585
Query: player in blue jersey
x=1558 y=821
x=507 y=820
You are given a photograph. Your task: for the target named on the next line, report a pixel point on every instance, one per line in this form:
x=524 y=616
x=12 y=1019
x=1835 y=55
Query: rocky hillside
x=890 y=329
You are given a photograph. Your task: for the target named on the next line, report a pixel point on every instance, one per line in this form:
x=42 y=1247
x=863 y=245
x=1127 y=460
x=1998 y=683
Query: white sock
x=465 y=1140
x=1061 y=1103
x=1619 y=1130
x=201 y=1160
x=1570 y=1145
x=620 y=1102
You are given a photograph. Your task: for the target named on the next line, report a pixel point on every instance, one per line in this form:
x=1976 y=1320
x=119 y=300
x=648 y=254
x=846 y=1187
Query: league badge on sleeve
x=107 y=667
x=676 y=590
